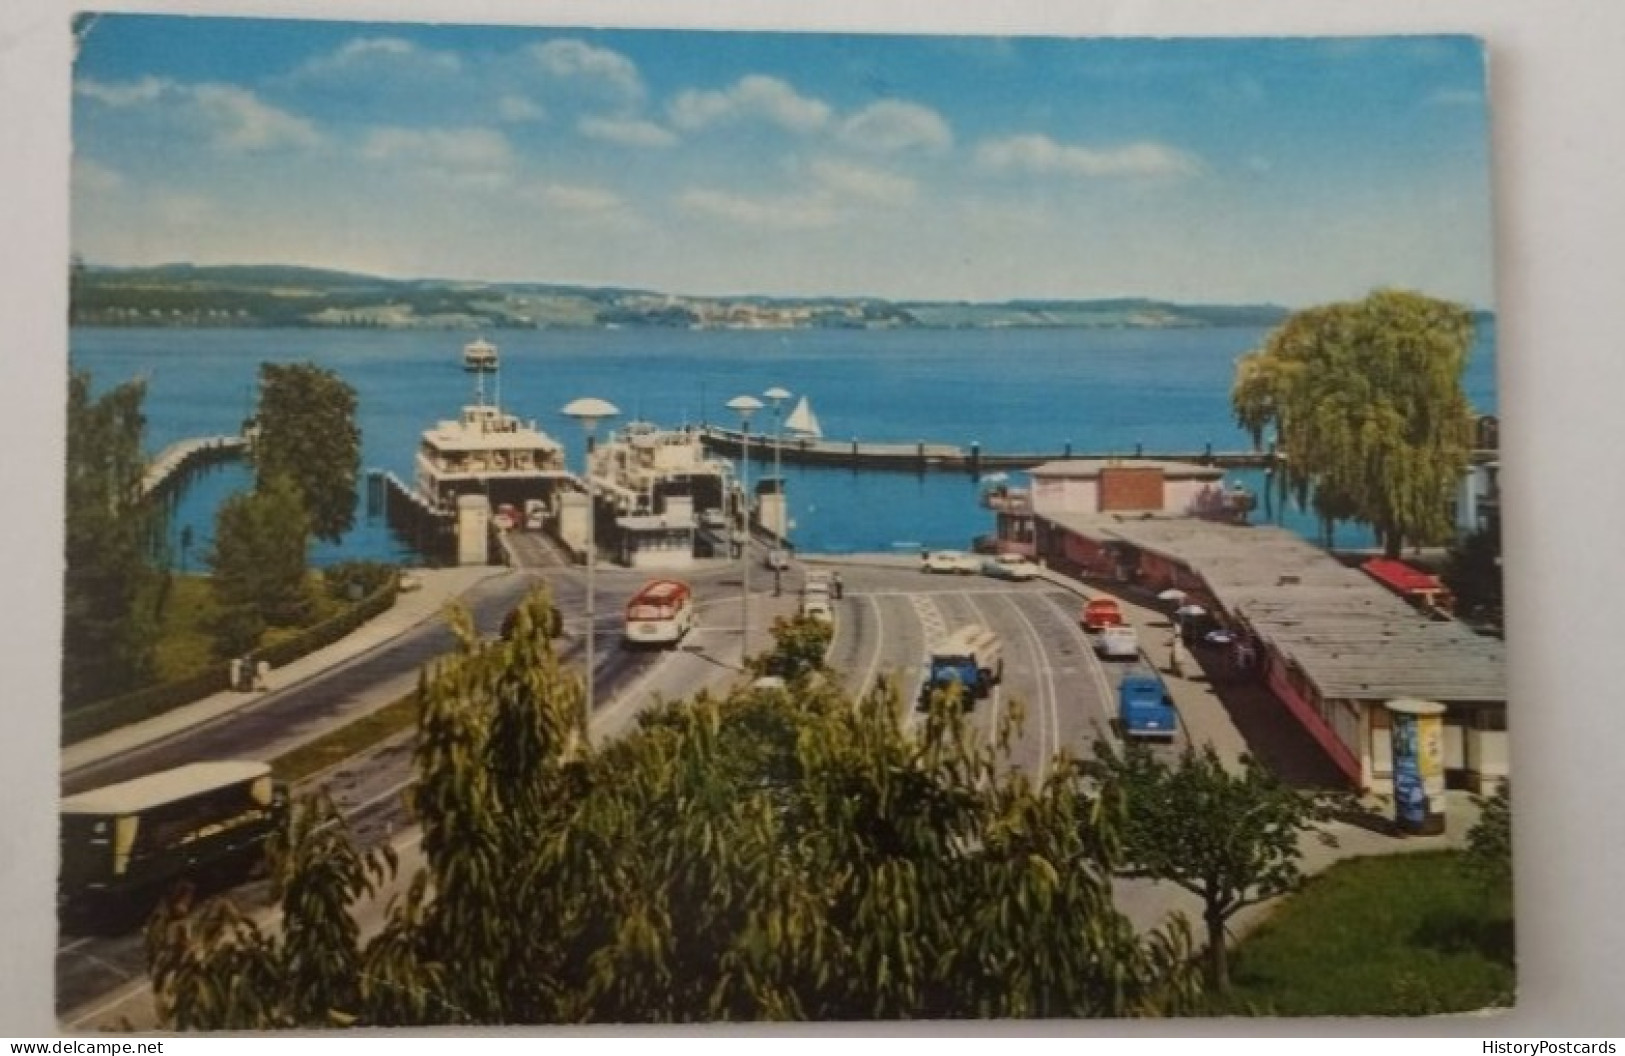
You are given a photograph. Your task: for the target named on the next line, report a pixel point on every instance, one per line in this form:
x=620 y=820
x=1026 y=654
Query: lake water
x=1026 y=390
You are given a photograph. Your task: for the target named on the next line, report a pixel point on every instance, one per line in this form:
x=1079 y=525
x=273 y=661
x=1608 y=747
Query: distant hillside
x=252 y=295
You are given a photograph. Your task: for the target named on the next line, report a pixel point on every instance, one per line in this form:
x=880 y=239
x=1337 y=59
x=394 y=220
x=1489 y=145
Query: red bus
x=660 y=613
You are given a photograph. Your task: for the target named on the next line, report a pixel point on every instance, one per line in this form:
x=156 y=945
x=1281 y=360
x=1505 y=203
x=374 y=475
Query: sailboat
x=803 y=422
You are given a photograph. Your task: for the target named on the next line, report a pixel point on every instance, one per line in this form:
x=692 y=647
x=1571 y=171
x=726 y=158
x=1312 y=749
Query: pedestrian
x=836 y=585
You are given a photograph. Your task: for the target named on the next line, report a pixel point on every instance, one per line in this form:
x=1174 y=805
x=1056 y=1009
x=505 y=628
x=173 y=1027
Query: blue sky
x=1290 y=171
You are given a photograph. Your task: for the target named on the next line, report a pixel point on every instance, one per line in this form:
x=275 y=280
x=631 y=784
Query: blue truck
x=1144 y=708
x=970 y=658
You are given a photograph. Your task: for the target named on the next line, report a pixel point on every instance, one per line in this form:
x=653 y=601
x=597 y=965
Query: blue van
x=1144 y=708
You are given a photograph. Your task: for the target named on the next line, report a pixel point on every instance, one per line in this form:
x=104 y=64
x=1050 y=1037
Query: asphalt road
x=885 y=621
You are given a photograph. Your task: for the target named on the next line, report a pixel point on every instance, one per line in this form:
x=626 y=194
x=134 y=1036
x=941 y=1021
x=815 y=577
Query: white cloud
x=864 y=184
x=894 y=125
x=787 y=213
x=146 y=90
x=577 y=60
x=468 y=157
x=754 y=97
x=628 y=132
x=516 y=109
x=94 y=178
x=230 y=118
x=478 y=147
x=374 y=55
x=1040 y=154
x=241 y=122
x=579 y=199
x=182 y=210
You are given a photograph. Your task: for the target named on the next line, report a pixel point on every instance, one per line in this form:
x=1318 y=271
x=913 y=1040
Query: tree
x=1231 y=839
x=258 y=561
x=1367 y=402
x=305 y=429
x=220 y=965
x=1473 y=574
x=1489 y=841
x=799 y=644
x=110 y=627
x=767 y=855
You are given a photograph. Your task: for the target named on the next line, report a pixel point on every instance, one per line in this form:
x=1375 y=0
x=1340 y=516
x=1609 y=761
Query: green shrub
x=99 y=717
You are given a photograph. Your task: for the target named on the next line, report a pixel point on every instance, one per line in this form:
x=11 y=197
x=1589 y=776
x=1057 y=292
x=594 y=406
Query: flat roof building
x=1336 y=644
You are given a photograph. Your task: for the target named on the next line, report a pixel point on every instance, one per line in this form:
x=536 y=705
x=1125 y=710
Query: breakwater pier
x=179 y=460
x=921 y=456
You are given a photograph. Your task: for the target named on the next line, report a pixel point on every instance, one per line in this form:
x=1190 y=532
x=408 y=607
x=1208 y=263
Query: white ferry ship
x=669 y=500
x=480 y=356
x=487 y=464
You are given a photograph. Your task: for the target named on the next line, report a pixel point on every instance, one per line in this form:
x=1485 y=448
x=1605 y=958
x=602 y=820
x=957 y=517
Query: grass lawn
x=185 y=646
x=349 y=739
x=1403 y=934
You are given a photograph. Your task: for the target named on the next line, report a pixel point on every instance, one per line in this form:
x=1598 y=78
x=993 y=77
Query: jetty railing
x=183 y=456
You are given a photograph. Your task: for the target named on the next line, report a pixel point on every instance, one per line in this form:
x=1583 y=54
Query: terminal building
x=1333 y=645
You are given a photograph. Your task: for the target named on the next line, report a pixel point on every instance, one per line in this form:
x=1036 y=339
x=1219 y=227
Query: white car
x=951 y=561
x=1118 y=643
x=817 y=606
x=1010 y=566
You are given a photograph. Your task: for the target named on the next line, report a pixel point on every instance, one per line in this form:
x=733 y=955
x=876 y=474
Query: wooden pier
x=178 y=460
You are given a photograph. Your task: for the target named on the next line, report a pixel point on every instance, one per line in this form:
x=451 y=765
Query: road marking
x=1091 y=661
x=604 y=715
x=933 y=628
x=1048 y=706
x=873 y=670
x=130 y=990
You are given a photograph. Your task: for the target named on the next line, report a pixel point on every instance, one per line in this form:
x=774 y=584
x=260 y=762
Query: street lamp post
x=778 y=394
x=744 y=406
x=589 y=412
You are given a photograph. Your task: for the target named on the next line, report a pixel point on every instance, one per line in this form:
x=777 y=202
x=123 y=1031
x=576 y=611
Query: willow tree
x=1367 y=403
x=783 y=852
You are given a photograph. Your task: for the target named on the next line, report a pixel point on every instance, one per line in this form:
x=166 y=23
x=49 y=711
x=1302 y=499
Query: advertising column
x=1417 y=728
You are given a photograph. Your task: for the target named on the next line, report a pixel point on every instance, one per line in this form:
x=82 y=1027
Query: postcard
x=659 y=526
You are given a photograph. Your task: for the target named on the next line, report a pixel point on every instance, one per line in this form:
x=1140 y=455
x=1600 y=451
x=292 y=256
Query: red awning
x=1399 y=576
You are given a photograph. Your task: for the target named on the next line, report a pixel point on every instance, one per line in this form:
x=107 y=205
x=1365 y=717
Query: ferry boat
x=480 y=356
x=489 y=454
x=667 y=497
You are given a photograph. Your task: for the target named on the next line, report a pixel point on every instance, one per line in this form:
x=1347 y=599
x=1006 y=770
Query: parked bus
x=123 y=845
x=660 y=614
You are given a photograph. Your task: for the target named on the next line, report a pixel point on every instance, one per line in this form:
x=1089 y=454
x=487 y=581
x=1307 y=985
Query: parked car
x=1010 y=566
x=778 y=558
x=1118 y=642
x=951 y=561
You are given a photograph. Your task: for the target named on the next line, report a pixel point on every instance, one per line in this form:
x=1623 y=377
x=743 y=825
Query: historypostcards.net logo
x=1546 y=1048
